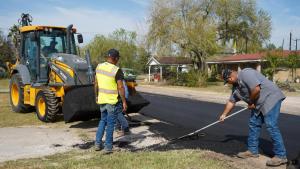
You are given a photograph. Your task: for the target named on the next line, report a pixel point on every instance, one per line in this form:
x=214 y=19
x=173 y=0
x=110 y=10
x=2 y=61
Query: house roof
x=253 y=57
x=171 y=60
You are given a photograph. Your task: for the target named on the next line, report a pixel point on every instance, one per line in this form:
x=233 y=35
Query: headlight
x=59 y=58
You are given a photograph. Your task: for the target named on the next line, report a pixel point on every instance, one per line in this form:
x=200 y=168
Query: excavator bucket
x=80 y=104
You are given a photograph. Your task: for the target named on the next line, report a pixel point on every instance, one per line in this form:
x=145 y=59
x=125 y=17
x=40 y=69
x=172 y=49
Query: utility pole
x=296 y=43
x=290 y=48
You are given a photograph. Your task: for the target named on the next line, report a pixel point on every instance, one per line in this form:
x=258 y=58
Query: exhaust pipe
x=69 y=28
x=90 y=72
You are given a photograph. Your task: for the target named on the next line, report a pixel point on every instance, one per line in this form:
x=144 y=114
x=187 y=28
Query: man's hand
x=222 y=117
x=124 y=107
x=251 y=106
x=229 y=106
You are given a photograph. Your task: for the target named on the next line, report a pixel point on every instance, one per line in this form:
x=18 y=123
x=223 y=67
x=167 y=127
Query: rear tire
x=46 y=105
x=16 y=93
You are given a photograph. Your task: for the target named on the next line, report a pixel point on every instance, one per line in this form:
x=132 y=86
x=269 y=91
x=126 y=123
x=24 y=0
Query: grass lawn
x=9 y=118
x=189 y=159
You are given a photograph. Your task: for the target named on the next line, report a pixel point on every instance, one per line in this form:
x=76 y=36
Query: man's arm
x=254 y=94
x=229 y=106
x=122 y=94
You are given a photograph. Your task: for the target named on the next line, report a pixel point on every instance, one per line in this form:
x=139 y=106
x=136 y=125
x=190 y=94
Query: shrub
x=285 y=86
x=193 y=78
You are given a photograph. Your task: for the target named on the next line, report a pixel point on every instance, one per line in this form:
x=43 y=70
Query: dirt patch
x=28 y=142
x=251 y=163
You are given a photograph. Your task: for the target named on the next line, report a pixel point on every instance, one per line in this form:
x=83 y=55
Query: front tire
x=46 y=105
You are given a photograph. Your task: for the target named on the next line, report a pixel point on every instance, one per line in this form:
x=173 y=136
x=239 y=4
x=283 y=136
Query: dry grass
x=8 y=118
x=189 y=159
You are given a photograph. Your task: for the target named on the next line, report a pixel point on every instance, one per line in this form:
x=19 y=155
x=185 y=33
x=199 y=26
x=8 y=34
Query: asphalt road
x=185 y=115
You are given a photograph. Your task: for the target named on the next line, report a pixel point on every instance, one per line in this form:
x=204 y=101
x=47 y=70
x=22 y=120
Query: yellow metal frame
x=30 y=93
x=65 y=67
x=38 y=27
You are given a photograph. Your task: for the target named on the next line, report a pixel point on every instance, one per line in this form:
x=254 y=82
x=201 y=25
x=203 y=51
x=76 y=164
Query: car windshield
x=54 y=42
x=128 y=71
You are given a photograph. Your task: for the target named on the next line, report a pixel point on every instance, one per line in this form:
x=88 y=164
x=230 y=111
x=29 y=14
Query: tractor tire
x=16 y=93
x=46 y=105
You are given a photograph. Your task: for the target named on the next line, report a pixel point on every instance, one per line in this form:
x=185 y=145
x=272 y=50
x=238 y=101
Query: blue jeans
x=270 y=120
x=109 y=114
x=121 y=120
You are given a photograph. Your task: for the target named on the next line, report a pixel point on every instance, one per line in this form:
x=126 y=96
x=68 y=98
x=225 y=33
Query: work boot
x=247 y=154
x=98 y=147
x=121 y=133
x=276 y=161
x=126 y=131
x=106 y=152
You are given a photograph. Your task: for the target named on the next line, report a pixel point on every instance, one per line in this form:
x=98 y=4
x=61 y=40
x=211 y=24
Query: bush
x=191 y=79
x=285 y=86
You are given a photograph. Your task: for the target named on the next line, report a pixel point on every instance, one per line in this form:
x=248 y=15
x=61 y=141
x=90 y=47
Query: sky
x=92 y=17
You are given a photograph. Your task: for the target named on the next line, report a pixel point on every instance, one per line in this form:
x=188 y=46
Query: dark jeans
x=109 y=114
x=270 y=120
x=121 y=122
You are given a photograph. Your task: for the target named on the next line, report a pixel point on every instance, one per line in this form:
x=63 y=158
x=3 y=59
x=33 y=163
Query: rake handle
x=212 y=124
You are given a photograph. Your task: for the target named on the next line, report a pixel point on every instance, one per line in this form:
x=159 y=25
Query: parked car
x=129 y=74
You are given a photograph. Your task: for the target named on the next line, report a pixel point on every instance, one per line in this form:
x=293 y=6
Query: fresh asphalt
x=183 y=116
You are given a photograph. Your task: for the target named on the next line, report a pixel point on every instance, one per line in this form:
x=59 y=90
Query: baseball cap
x=113 y=53
x=226 y=74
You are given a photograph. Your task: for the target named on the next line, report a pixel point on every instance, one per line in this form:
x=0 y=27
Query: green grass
x=179 y=159
x=8 y=118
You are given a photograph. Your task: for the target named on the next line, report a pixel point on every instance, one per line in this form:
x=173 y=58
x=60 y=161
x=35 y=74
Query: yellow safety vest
x=107 y=85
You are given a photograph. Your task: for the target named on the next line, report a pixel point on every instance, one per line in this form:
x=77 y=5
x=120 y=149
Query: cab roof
x=40 y=27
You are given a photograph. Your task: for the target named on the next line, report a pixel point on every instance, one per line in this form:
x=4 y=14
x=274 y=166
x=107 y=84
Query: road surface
x=186 y=115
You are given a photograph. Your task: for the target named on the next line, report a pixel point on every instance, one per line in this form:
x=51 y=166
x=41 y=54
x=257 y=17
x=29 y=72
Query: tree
x=183 y=27
x=270 y=46
x=199 y=28
x=274 y=59
x=6 y=52
x=292 y=62
x=132 y=55
x=241 y=22
x=14 y=36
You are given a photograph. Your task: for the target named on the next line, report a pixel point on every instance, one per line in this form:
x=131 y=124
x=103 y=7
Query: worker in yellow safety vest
x=110 y=95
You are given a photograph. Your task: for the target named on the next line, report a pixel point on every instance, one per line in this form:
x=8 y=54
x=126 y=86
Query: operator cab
x=39 y=45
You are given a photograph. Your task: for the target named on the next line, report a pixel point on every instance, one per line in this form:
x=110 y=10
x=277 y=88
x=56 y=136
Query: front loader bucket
x=136 y=102
x=80 y=104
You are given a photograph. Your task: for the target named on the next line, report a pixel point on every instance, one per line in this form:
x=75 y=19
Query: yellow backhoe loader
x=51 y=78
